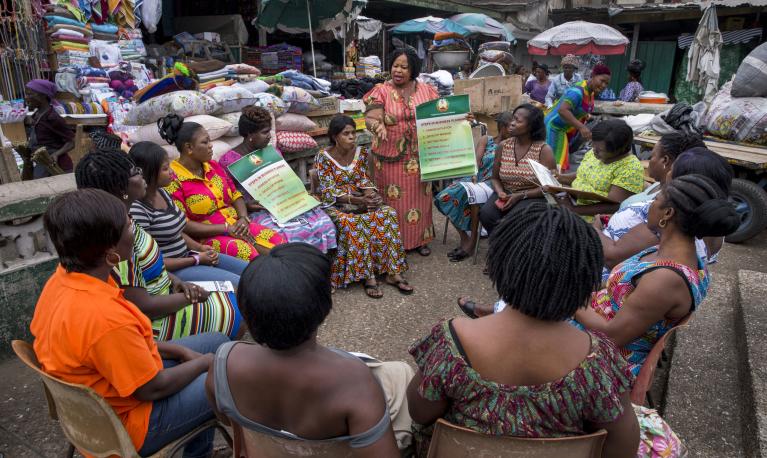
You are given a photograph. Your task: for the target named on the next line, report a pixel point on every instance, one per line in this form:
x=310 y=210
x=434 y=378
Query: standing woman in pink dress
x=391 y=118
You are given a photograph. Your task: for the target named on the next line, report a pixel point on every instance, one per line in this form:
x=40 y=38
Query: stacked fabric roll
x=131 y=45
x=211 y=73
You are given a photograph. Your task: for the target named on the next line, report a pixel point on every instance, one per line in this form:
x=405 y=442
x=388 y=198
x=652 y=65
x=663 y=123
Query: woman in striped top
x=162 y=219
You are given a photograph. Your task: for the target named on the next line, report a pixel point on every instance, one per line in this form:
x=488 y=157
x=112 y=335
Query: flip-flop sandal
x=373 y=291
x=423 y=251
x=452 y=252
x=399 y=285
x=459 y=256
x=468 y=308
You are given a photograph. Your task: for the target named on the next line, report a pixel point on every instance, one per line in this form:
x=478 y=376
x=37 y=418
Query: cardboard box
x=328 y=106
x=492 y=95
x=15 y=132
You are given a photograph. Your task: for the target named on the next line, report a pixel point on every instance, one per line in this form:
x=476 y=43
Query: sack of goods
x=751 y=77
x=369 y=66
x=741 y=119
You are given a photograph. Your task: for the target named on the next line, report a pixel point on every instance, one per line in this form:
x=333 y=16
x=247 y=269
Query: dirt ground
x=383 y=328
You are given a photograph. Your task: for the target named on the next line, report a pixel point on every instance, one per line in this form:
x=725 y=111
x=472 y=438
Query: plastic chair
x=256 y=444
x=643 y=383
x=451 y=441
x=88 y=422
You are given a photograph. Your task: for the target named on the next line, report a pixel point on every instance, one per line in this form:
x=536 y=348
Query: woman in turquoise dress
x=568 y=116
x=461 y=208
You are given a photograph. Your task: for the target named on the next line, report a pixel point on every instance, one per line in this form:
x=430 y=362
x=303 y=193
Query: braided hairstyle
x=108 y=170
x=176 y=132
x=545 y=261
x=616 y=134
x=676 y=143
x=254 y=119
x=701 y=208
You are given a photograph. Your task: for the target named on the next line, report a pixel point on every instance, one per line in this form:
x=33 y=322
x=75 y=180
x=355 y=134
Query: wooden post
x=634 y=41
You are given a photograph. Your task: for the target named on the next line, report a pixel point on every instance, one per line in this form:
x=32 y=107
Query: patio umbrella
x=703 y=56
x=579 y=38
x=306 y=16
x=482 y=24
x=430 y=25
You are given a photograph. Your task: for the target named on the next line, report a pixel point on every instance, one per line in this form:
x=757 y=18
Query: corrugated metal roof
x=728 y=38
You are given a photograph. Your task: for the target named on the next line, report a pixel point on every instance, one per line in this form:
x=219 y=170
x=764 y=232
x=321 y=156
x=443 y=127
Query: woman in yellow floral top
x=202 y=189
x=610 y=169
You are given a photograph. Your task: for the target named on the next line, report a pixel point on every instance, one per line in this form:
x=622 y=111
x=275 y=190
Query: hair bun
x=714 y=218
x=169 y=127
x=637 y=65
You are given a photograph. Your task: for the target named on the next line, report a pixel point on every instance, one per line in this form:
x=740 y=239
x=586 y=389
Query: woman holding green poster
x=369 y=241
x=391 y=118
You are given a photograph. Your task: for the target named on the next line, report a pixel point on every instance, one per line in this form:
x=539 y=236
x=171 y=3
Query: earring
x=125 y=196
x=113 y=264
x=662 y=223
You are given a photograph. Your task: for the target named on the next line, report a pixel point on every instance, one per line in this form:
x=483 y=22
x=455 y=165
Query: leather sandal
x=468 y=307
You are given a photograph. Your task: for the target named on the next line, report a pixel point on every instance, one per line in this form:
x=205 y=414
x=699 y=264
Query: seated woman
x=87 y=333
x=166 y=223
x=626 y=234
x=369 y=242
x=313 y=227
x=513 y=178
x=461 y=208
x=526 y=372
x=202 y=188
x=46 y=128
x=177 y=309
x=630 y=92
x=610 y=169
x=653 y=291
x=289 y=386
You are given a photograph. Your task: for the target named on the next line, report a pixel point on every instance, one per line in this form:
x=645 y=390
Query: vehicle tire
x=751 y=204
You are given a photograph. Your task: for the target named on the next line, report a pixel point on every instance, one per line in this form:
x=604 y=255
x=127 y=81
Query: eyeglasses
x=136 y=171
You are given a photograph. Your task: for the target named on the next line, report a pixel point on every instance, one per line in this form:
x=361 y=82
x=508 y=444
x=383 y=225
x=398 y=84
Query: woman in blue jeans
x=178 y=414
x=158 y=215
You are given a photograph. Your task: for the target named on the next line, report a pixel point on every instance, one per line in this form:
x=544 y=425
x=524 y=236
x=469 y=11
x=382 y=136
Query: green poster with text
x=269 y=179
x=445 y=142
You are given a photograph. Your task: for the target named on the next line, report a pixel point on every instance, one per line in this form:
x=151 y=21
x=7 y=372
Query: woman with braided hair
x=526 y=372
x=652 y=292
x=204 y=191
x=314 y=226
x=177 y=309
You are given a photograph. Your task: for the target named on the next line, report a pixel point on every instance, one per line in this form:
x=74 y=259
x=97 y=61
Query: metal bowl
x=450 y=59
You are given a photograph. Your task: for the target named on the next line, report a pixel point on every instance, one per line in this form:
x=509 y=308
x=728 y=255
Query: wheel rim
x=743 y=210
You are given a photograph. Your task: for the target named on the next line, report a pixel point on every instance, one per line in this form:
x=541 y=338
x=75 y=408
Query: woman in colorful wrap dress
x=204 y=191
x=391 y=118
x=568 y=116
x=369 y=241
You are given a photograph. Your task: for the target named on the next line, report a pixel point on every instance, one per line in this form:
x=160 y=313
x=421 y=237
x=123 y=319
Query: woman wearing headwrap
x=560 y=83
x=568 y=116
x=45 y=128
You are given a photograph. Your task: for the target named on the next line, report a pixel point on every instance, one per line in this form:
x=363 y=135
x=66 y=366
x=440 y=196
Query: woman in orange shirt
x=86 y=332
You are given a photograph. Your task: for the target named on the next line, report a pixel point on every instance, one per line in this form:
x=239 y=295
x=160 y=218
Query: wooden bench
x=750 y=157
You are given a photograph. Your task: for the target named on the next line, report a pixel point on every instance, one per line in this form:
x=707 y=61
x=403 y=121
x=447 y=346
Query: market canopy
x=307 y=16
x=482 y=24
x=430 y=26
x=579 y=38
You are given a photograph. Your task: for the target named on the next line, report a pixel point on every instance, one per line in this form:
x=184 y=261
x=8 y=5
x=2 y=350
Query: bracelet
x=226 y=225
x=524 y=194
x=196 y=258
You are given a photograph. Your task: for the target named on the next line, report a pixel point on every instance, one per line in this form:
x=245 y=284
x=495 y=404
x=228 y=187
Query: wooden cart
x=748 y=188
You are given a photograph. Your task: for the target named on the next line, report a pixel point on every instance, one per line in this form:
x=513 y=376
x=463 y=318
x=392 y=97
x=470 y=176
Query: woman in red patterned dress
x=391 y=118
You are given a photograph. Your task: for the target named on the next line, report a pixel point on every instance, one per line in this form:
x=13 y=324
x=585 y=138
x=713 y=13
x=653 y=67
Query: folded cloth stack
x=354 y=89
x=69 y=38
x=80 y=108
x=307 y=82
x=131 y=45
x=106 y=32
x=211 y=73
